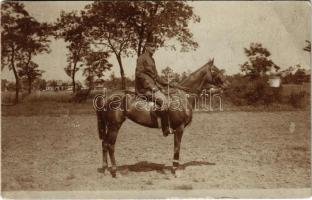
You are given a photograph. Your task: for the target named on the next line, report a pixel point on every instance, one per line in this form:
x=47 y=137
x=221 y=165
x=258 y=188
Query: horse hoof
x=102 y=170
x=176 y=172
x=114 y=174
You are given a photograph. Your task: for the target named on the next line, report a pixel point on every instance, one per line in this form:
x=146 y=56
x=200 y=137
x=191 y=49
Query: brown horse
x=112 y=112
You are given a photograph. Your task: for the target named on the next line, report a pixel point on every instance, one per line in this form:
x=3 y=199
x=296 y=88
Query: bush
x=297 y=100
x=245 y=91
x=81 y=95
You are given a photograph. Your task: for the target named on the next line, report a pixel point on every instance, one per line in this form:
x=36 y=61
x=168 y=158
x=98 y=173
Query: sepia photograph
x=155 y=99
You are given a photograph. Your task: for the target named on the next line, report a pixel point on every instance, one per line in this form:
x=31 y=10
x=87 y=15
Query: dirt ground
x=222 y=150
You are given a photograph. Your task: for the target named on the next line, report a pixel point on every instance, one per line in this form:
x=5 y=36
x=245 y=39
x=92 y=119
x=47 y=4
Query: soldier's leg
x=162 y=100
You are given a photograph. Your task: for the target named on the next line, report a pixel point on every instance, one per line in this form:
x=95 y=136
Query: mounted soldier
x=148 y=83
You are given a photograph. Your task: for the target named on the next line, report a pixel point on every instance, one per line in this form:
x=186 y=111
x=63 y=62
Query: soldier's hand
x=155 y=89
x=173 y=84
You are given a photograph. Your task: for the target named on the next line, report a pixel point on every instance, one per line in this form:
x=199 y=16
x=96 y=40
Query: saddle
x=133 y=92
x=138 y=96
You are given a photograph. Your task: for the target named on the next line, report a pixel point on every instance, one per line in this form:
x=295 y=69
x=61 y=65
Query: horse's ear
x=210 y=62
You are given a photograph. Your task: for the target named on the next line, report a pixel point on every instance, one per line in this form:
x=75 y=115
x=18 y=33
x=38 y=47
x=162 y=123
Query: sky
x=225 y=29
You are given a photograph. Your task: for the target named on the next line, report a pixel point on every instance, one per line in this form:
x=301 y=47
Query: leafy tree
x=124 y=27
x=259 y=61
x=31 y=73
x=13 y=17
x=21 y=38
x=113 y=79
x=287 y=75
x=36 y=42
x=42 y=84
x=299 y=75
x=159 y=21
x=4 y=84
x=169 y=75
x=71 y=28
x=109 y=30
x=96 y=65
x=53 y=84
x=185 y=74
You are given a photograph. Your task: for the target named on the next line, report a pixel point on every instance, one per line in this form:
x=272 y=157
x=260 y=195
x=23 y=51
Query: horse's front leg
x=112 y=136
x=103 y=136
x=104 y=154
x=177 y=143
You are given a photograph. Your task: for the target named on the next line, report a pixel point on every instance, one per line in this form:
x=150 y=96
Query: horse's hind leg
x=111 y=138
x=104 y=153
x=177 y=143
x=103 y=136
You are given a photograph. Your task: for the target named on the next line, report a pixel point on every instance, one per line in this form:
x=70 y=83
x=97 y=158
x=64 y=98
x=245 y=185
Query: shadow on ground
x=145 y=166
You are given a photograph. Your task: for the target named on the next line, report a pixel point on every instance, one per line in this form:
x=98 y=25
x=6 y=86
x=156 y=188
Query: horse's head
x=207 y=75
x=215 y=76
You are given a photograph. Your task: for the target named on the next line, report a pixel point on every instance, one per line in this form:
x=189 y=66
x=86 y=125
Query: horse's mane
x=194 y=73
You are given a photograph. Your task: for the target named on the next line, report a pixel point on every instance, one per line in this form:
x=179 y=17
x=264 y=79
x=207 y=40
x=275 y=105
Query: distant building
x=58 y=86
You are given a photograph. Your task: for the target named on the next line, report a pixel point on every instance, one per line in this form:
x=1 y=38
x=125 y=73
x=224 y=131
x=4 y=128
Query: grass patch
x=149 y=182
x=47 y=108
x=183 y=187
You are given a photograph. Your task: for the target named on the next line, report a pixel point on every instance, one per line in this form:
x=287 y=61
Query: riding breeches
x=161 y=99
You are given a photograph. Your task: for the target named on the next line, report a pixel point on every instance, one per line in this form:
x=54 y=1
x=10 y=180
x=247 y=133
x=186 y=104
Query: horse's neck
x=195 y=79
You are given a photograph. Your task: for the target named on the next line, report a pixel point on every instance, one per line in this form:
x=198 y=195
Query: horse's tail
x=102 y=124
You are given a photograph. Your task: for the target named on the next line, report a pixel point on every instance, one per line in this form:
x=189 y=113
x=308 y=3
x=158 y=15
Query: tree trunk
x=27 y=68
x=15 y=75
x=29 y=85
x=73 y=77
x=122 y=73
x=91 y=81
x=16 y=84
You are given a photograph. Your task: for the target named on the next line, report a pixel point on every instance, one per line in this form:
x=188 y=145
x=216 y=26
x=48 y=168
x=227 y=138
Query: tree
x=159 y=21
x=124 y=27
x=70 y=26
x=4 y=85
x=42 y=84
x=13 y=16
x=96 y=65
x=308 y=47
x=22 y=37
x=109 y=30
x=31 y=73
x=169 y=75
x=53 y=84
x=299 y=75
x=185 y=74
x=35 y=42
x=259 y=61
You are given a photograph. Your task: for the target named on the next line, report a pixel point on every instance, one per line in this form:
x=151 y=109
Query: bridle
x=216 y=75
x=214 y=72
x=210 y=69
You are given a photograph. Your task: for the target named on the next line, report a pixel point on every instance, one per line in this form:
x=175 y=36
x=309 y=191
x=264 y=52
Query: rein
x=210 y=69
x=185 y=89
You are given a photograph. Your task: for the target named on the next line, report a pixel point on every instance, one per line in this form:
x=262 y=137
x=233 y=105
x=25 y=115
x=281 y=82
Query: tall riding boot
x=165 y=124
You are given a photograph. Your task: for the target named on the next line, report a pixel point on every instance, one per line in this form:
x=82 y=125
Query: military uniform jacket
x=146 y=77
